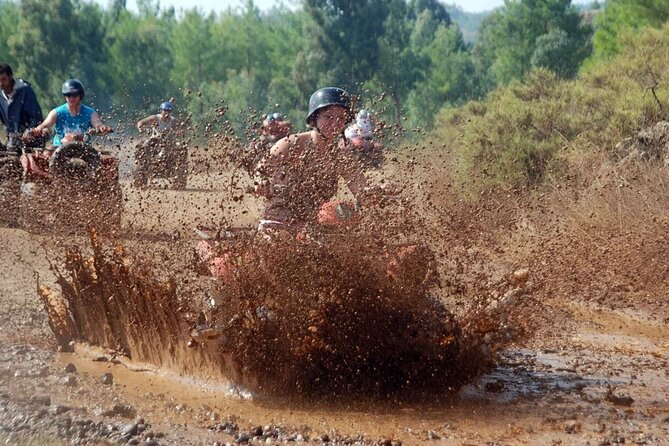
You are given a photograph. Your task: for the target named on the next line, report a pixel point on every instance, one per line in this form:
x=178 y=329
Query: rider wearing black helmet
x=302 y=170
x=73 y=120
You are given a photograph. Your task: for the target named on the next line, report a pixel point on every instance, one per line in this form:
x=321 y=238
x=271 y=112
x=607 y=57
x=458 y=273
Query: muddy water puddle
x=530 y=395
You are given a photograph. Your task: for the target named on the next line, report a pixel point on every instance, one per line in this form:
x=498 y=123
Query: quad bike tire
x=10 y=189
x=77 y=196
x=173 y=166
x=61 y=157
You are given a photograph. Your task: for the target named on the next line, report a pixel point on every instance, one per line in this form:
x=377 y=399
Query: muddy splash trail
x=594 y=372
x=296 y=319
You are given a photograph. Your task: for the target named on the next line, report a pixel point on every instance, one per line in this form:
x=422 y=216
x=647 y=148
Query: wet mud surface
x=596 y=371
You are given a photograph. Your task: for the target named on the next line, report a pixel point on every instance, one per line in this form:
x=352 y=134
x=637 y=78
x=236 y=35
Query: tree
x=140 y=62
x=620 y=16
x=449 y=80
x=559 y=53
x=398 y=64
x=348 y=32
x=9 y=18
x=509 y=37
x=194 y=50
x=60 y=39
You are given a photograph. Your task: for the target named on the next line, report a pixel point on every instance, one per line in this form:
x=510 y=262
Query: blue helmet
x=167 y=106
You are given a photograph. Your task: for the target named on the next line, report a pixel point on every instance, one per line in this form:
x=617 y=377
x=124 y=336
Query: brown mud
x=595 y=370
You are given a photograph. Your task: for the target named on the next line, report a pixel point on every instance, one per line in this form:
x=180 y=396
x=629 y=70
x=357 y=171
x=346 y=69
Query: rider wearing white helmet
x=362 y=128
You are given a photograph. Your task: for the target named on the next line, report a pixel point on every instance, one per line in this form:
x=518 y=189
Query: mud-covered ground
x=595 y=372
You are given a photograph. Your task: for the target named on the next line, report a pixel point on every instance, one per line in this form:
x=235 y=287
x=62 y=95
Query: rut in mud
x=298 y=318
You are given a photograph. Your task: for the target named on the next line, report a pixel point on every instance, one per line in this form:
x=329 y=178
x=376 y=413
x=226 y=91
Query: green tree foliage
x=141 y=61
x=621 y=16
x=60 y=39
x=469 y=22
x=348 y=33
x=404 y=59
x=448 y=78
x=560 y=53
x=511 y=36
x=522 y=133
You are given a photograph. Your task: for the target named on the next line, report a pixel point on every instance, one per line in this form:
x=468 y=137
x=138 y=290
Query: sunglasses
x=71 y=95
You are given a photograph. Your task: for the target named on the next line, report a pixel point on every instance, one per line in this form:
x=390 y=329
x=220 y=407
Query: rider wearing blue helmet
x=162 y=122
x=161 y=155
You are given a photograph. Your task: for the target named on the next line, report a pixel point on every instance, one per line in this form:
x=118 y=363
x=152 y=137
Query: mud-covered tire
x=65 y=153
x=10 y=190
x=181 y=175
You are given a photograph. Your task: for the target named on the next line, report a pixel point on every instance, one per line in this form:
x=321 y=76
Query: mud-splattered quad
x=71 y=188
x=161 y=158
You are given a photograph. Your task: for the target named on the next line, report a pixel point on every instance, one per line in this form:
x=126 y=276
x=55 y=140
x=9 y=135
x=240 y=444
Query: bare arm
x=98 y=125
x=266 y=171
x=149 y=120
x=49 y=122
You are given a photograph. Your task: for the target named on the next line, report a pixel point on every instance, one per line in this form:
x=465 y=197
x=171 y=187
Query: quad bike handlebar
x=34 y=132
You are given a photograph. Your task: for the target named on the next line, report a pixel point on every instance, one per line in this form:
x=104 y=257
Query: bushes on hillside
x=521 y=132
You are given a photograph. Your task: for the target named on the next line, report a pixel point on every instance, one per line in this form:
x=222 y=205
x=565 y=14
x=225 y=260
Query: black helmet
x=73 y=86
x=326 y=97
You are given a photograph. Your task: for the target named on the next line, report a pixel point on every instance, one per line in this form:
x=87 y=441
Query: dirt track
x=592 y=375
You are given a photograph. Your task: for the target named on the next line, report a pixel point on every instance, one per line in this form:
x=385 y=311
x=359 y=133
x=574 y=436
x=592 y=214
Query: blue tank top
x=66 y=123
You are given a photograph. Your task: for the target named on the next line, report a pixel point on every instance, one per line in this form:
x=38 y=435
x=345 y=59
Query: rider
x=360 y=135
x=275 y=127
x=19 y=109
x=162 y=122
x=161 y=150
x=361 y=128
x=302 y=170
x=73 y=120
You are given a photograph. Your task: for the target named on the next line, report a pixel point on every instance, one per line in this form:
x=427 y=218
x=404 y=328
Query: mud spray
x=295 y=318
x=352 y=312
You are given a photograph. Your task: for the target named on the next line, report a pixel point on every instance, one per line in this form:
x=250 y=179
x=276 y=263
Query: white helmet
x=351 y=131
x=364 y=124
x=362 y=114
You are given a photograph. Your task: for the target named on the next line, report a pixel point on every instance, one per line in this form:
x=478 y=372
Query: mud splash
x=296 y=319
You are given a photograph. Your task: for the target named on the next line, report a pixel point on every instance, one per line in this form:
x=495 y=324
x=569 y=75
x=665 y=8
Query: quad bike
x=71 y=187
x=212 y=259
x=159 y=157
x=10 y=179
x=411 y=266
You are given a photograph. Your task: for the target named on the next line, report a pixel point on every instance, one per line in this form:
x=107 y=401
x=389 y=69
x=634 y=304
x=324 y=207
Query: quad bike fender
x=35 y=165
x=219 y=266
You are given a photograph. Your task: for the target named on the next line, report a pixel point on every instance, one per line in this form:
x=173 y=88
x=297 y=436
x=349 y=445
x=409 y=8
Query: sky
x=207 y=5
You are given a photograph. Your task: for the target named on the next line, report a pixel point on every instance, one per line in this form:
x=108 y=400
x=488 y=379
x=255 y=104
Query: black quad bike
x=161 y=157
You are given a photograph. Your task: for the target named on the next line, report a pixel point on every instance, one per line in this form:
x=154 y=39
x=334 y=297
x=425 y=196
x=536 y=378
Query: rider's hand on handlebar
x=101 y=130
x=33 y=133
